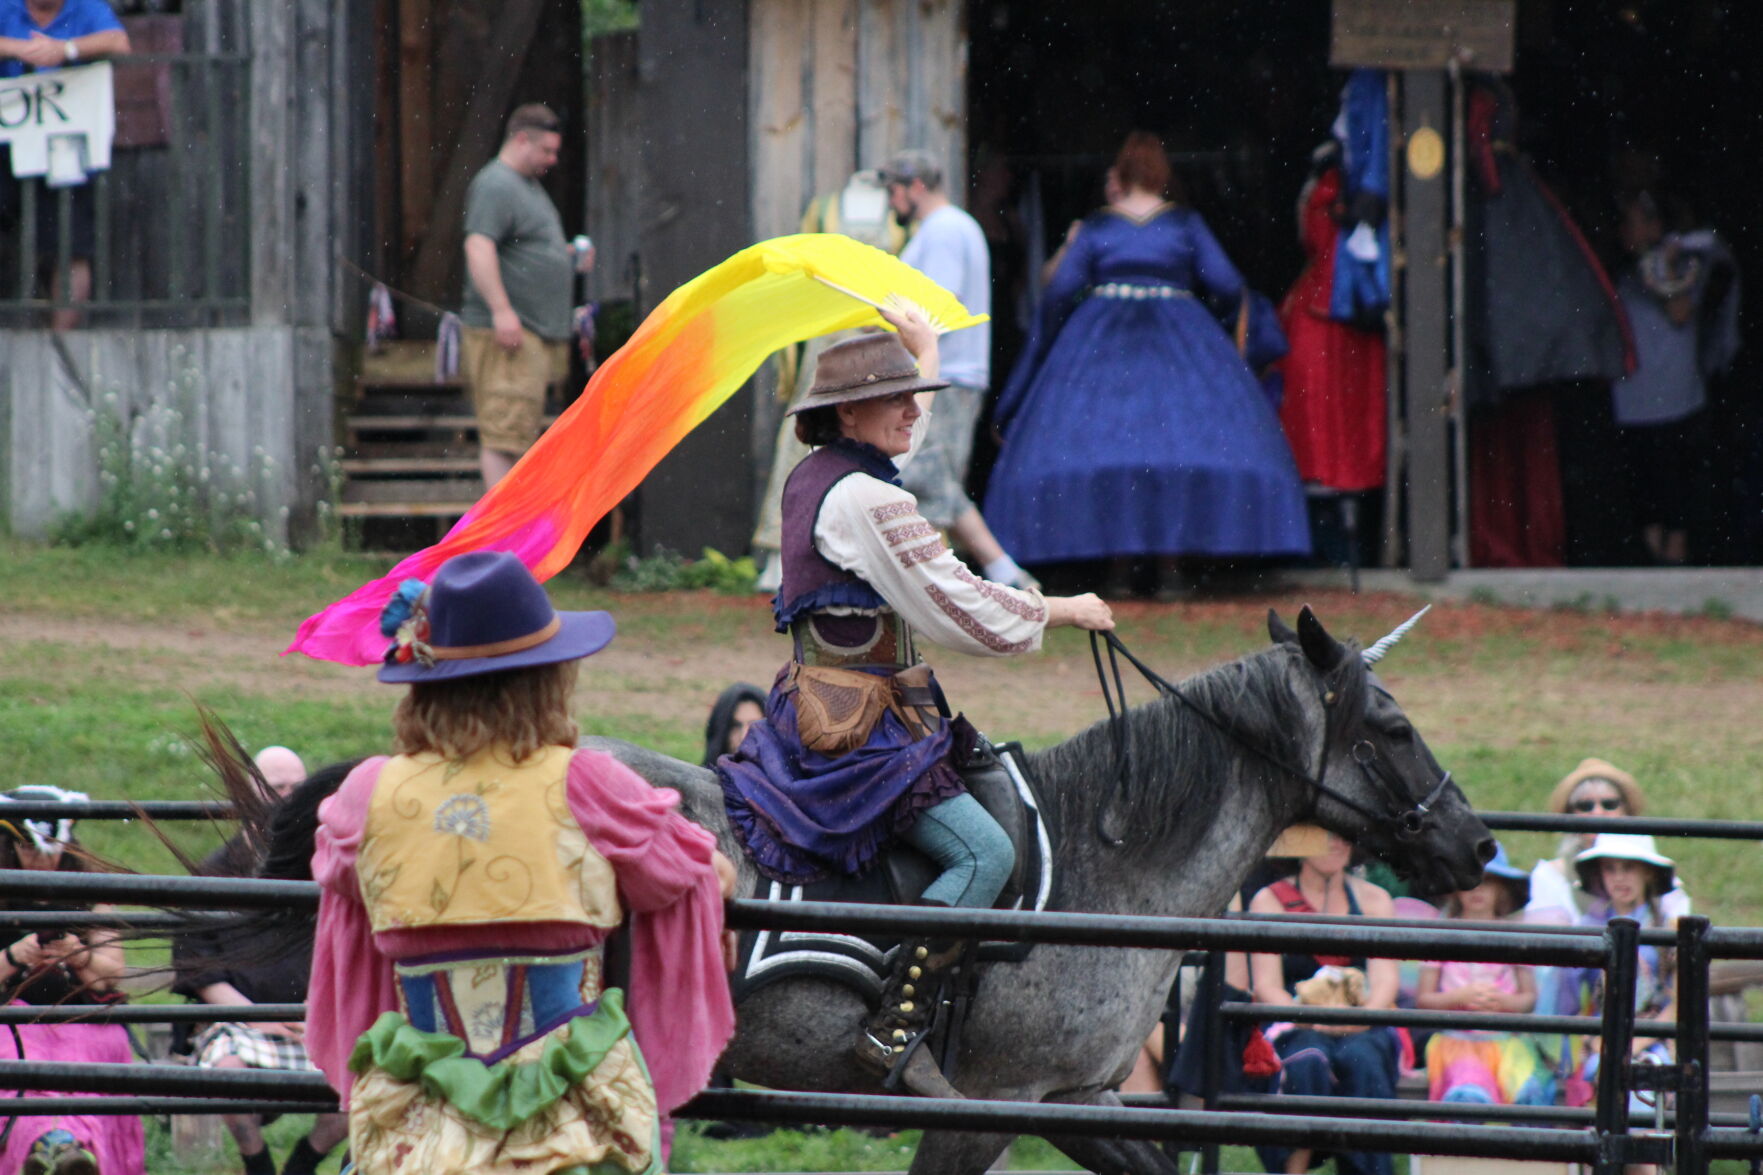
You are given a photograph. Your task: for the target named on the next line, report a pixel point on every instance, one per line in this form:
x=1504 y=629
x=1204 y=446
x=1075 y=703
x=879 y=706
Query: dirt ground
x=1470 y=674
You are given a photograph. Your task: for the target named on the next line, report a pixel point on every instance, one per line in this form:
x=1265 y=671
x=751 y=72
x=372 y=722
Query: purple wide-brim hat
x=485 y=613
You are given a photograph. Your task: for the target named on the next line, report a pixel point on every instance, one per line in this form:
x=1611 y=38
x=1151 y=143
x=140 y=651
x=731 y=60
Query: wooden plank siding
x=839 y=85
x=616 y=205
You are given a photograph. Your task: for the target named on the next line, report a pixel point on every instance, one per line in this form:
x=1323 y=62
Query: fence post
x=1692 y=1045
x=1211 y=997
x=1621 y=943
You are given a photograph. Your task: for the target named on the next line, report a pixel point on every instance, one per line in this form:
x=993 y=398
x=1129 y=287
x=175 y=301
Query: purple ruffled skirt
x=803 y=816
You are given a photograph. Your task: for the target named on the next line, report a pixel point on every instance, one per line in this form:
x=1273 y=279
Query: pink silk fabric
x=678 y=1003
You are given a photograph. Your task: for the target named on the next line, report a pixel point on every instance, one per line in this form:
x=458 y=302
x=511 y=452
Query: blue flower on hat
x=399 y=607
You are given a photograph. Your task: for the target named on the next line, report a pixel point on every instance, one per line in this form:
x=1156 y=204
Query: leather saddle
x=860 y=961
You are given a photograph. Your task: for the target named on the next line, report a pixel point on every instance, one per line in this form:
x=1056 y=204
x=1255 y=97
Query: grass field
x=104 y=655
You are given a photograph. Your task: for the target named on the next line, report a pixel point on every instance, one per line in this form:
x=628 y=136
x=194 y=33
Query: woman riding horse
x=857 y=748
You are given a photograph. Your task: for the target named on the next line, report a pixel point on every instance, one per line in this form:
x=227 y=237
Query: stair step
x=424 y=422
x=403 y=509
x=415 y=463
x=453 y=490
x=365 y=450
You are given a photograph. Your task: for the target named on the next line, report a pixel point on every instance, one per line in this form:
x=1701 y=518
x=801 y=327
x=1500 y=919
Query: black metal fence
x=164 y=233
x=1603 y=1137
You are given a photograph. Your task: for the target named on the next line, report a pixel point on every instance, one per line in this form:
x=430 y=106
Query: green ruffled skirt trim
x=507 y=1094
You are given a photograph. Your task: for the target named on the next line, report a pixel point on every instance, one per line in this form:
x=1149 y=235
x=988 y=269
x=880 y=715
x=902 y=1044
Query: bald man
x=281 y=769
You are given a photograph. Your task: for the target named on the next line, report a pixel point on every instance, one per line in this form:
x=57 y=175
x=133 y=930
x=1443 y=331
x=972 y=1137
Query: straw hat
x=1632 y=797
x=1624 y=846
x=864 y=368
x=1300 y=840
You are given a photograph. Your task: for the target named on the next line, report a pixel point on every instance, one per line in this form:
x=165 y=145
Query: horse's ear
x=1277 y=631
x=1323 y=650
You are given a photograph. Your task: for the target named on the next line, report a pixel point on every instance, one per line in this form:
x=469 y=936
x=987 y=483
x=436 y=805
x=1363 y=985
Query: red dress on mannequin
x=1333 y=411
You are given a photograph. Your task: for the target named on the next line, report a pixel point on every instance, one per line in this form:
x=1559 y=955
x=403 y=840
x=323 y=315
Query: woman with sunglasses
x=1594 y=788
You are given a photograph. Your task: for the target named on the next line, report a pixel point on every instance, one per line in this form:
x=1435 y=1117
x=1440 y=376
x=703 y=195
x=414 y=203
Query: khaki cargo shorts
x=507 y=388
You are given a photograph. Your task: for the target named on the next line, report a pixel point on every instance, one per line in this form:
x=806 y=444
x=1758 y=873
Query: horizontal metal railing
x=1559 y=1133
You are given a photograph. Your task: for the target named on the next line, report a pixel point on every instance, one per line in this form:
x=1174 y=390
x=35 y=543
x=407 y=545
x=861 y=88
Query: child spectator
x=1490 y=1068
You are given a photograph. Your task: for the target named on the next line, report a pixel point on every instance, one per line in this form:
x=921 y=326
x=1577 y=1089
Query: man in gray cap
x=948 y=246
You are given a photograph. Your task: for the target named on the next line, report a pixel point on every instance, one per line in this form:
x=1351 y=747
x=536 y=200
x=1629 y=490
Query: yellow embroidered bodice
x=463 y=842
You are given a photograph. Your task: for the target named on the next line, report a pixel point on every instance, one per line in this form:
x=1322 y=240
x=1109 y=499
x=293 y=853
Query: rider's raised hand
x=1088 y=611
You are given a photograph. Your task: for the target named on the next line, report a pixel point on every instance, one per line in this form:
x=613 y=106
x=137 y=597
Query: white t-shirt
x=949 y=248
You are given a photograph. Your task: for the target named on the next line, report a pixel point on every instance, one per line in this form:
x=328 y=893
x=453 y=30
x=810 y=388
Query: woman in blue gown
x=1131 y=425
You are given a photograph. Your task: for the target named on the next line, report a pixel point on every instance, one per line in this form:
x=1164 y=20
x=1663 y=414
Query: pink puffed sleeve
x=679 y=1002
x=352 y=983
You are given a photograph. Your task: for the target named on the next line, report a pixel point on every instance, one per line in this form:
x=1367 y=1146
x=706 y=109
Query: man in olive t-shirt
x=520 y=278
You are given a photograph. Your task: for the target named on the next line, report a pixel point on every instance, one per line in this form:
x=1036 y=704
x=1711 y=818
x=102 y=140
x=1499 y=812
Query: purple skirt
x=803 y=816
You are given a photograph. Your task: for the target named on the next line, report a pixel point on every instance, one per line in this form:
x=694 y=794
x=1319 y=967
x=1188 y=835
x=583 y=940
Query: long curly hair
x=520 y=710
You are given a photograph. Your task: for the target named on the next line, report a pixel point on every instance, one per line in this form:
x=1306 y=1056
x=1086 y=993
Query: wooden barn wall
x=840 y=85
x=228 y=394
x=693 y=77
x=615 y=203
x=256 y=390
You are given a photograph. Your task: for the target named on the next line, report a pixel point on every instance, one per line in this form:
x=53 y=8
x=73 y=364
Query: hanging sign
x=60 y=123
x=1423 y=34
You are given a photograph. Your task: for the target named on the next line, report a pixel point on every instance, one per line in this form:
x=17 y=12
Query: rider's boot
x=892 y=1039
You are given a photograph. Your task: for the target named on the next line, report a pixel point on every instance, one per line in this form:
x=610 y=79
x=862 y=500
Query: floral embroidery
x=924 y=554
x=886 y=514
x=973 y=628
x=464 y=815
x=908 y=532
x=1008 y=600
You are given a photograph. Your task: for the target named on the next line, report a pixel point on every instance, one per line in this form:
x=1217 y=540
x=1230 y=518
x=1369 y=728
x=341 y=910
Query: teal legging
x=975 y=853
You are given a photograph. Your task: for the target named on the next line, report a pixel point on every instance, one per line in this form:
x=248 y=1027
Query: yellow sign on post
x=1424 y=34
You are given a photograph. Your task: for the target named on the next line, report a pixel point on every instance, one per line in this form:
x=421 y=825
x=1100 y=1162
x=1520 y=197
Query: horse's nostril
x=1485 y=849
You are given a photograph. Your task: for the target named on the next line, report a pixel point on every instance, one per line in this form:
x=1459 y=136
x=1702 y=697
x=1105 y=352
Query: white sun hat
x=1623 y=846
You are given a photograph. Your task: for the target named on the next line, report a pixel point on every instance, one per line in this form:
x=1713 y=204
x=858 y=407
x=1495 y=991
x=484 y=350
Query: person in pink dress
x=62 y=965
x=469 y=882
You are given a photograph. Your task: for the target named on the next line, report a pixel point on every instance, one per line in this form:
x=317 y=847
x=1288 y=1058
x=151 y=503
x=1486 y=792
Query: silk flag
x=682 y=363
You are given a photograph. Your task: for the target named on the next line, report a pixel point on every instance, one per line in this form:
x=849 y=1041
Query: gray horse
x=1213 y=781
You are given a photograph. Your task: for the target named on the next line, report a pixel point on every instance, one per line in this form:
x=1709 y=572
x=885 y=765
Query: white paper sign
x=62 y=116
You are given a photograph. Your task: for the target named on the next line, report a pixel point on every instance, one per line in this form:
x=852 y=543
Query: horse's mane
x=1179 y=758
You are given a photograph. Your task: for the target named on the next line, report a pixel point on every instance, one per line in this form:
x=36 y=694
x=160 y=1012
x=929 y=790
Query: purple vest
x=811 y=581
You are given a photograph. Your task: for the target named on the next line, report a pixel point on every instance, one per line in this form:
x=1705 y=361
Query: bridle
x=1408 y=819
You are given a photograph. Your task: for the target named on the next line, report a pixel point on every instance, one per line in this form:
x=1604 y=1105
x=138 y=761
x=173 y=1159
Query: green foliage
x=160 y=489
x=600 y=17
x=665 y=571
x=1715 y=608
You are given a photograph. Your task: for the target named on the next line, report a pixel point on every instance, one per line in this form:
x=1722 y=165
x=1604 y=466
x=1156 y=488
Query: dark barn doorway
x=1610 y=93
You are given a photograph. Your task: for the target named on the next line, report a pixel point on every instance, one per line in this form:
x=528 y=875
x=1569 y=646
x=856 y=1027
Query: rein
x=1410 y=819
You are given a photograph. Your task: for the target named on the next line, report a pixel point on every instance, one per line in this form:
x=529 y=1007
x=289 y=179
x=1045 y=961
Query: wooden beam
x=832 y=81
x=1425 y=319
x=415 y=121
x=778 y=44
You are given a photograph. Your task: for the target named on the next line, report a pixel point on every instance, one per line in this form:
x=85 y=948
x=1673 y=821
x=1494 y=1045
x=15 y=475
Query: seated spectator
x=1627 y=877
x=60 y=966
x=49 y=34
x=261 y=967
x=1594 y=788
x=1490 y=1068
x=736 y=708
x=1328 y=1059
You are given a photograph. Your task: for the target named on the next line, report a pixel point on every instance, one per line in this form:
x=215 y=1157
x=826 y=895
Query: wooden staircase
x=409 y=443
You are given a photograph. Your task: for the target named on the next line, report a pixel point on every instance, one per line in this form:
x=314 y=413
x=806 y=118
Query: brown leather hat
x=864 y=368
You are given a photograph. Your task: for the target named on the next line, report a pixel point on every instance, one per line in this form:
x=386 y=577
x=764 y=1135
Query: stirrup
x=905 y=1066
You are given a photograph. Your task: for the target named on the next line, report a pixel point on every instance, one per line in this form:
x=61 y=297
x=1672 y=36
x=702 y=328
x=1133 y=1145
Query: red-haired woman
x=1132 y=426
